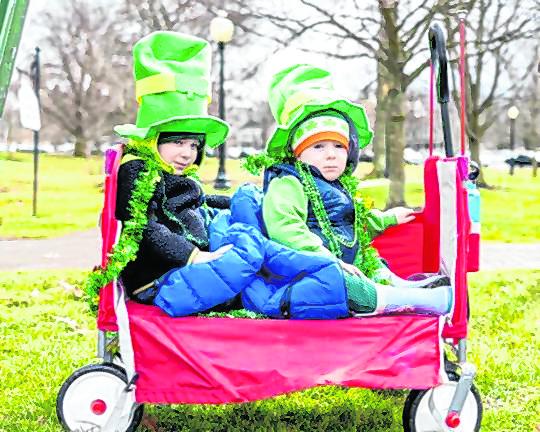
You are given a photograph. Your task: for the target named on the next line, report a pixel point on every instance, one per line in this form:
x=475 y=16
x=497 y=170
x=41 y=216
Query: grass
x=47 y=333
x=70 y=193
x=70 y=196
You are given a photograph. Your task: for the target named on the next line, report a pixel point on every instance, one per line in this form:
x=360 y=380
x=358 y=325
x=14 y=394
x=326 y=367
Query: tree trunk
x=379 y=159
x=81 y=148
x=395 y=140
x=379 y=146
x=474 y=146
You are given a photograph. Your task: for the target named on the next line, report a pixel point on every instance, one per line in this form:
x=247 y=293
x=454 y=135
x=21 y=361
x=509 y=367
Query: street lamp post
x=513 y=113
x=29 y=106
x=221 y=30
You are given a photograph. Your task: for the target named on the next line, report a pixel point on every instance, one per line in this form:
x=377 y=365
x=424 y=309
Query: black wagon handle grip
x=437 y=46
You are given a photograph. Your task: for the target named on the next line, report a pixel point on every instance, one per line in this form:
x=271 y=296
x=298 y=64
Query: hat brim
x=277 y=143
x=214 y=129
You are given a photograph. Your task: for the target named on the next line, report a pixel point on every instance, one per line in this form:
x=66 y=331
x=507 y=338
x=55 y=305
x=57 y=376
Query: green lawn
x=70 y=193
x=47 y=333
x=70 y=196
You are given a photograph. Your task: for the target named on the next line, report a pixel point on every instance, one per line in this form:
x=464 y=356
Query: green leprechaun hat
x=173 y=88
x=299 y=91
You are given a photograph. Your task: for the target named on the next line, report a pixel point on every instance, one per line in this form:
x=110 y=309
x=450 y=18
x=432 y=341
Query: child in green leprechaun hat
x=160 y=201
x=311 y=200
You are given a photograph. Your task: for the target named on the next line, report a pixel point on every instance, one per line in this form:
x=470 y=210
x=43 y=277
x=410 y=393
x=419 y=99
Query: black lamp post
x=221 y=30
x=33 y=122
x=513 y=113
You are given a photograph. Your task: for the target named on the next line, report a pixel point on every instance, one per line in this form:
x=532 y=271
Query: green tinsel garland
x=366 y=258
x=128 y=244
x=236 y=313
x=255 y=163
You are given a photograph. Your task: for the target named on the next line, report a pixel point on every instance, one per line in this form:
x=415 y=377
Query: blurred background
x=377 y=51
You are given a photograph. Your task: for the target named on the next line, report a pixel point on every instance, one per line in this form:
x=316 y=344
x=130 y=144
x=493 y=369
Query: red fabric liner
x=402 y=247
x=414 y=247
x=432 y=216
x=473 y=253
x=457 y=328
x=223 y=360
x=109 y=227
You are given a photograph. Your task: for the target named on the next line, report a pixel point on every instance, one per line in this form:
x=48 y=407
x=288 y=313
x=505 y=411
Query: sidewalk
x=83 y=251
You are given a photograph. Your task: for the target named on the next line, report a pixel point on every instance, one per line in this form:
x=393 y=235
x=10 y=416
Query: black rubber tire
x=105 y=367
x=415 y=396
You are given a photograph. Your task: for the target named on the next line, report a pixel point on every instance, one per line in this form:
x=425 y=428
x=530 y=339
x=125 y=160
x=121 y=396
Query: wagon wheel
x=418 y=417
x=87 y=398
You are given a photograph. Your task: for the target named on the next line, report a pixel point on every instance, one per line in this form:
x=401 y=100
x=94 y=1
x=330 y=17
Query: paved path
x=83 y=251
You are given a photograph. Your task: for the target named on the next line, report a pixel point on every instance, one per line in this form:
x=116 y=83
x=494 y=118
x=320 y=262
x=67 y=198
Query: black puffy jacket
x=176 y=223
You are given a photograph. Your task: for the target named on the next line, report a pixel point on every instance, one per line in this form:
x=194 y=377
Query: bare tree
x=146 y=16
x=391 y=33
x=531 y=100
x=84 y=74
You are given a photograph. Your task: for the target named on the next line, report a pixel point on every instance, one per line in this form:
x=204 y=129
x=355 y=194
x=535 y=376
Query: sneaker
x=438 y=282
x=435 y=279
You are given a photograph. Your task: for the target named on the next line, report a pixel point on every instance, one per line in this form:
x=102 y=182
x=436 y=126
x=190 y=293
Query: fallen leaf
x=71 y=289
x=69 y=322
x=150 y=422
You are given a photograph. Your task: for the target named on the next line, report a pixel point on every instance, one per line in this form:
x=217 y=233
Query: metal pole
x=35 y=74
x=221 y=180
x=512 y=133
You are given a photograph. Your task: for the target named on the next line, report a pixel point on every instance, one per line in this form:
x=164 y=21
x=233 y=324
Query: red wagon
x=166 y=360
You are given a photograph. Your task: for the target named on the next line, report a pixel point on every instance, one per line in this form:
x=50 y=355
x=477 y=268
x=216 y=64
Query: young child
x=178 y=213
x=311 y=202
x=160 y=203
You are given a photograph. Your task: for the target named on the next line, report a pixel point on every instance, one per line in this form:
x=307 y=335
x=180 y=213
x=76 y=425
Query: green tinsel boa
x=366 y=258
x=132 y=230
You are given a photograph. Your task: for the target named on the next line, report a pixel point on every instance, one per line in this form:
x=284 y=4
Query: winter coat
x=289 y=217
x=272 y=279
x=175 y=209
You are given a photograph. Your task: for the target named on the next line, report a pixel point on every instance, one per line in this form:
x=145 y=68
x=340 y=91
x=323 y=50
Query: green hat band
x=165 y=82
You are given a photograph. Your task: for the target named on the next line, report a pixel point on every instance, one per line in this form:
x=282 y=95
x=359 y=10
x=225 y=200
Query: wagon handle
x=437 y=47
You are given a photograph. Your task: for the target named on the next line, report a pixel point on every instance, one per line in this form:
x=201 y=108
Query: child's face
x=329 y=157
x=179 y=154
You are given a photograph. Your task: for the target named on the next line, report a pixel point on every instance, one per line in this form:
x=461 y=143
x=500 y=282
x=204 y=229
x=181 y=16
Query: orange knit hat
x=320 y=128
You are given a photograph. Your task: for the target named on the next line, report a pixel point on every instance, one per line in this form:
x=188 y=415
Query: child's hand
x=349 y=268
x=203 y=257
x=403 y=214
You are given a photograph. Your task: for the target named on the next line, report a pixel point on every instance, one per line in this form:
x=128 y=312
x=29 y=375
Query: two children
x=310 y=202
